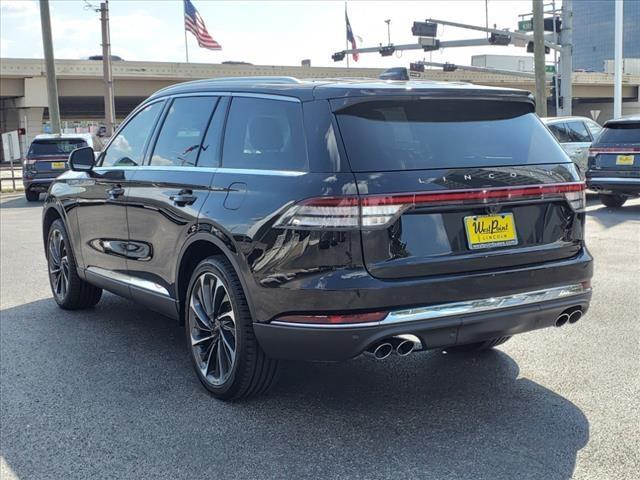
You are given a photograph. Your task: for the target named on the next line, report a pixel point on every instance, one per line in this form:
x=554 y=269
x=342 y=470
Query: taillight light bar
x=617 y=150
x=375 y=211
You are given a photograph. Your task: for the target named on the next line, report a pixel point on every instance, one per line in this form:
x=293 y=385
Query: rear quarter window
x=391 y=135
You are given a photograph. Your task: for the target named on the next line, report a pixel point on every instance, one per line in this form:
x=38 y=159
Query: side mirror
x=82 y=159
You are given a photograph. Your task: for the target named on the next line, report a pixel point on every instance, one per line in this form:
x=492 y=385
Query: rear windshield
x=62 y=147
x=391 y=135
x=621 y=133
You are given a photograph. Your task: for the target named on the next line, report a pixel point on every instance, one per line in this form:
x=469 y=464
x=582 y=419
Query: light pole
x=50 y=67
x=617 y=78
x=388 y=22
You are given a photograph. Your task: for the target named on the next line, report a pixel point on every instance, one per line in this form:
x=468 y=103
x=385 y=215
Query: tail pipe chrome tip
x=570 y=315
x=575 y=316
x=380 y=350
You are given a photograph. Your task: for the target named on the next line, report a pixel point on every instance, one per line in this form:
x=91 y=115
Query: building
x=593 y=33
x=516 y=63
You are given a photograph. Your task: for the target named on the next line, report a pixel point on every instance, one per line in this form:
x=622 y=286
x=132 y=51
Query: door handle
x=183 y=197
x=115 y=192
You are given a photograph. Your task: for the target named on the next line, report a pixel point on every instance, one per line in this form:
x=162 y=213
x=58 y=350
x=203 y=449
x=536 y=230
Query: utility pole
x=109 y=103
x=566 y=57
x=388 y=22
x=617 y=78
x=50 y=67
x=539 y=58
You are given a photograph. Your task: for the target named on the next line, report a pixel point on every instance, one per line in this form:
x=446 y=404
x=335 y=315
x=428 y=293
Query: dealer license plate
x=486 y=231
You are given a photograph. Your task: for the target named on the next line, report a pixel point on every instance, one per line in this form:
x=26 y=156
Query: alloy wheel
x=58 y=264
x=212 y=328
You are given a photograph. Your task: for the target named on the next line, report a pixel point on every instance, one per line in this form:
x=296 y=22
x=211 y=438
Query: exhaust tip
x=575 y=316
x=382 y=351
x=562 y=319
x=405 y=347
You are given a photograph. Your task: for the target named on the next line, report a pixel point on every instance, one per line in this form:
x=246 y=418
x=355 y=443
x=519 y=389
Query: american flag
x=193 y=23
x=350 y=37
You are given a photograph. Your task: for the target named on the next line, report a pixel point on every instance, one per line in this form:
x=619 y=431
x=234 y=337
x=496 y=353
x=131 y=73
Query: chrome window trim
x=253 y=171
x=130 y=280
x=459 y=308
x=247 y=171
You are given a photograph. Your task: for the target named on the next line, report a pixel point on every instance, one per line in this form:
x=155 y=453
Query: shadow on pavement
x=610 y=217
x=109 y=392
x=15 y=201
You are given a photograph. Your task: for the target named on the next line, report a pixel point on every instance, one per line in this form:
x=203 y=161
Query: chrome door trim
x=459 y=308
x=129 y=280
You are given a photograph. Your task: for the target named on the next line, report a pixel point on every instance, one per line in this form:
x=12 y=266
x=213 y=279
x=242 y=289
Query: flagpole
x=186 y=46
x=346 y=39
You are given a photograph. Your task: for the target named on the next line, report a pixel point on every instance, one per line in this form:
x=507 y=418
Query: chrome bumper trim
x=129 y=280
x=458 y=308
x=613 y=180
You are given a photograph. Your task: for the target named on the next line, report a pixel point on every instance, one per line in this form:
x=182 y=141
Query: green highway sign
x=550 y=68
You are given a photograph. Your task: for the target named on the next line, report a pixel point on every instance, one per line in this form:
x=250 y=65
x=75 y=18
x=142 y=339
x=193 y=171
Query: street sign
x=525 y=25
x=550 y=68
x=11 y=146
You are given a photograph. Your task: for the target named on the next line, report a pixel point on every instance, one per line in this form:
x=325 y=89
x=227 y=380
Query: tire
x=223 y=348
x=478 y=346
x=32 y=196
x=69 y=290
x=613 y=201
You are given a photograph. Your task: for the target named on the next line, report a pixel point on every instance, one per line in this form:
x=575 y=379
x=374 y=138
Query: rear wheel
x=69 y=290
x=613 y=201
x=32 y=196
x=226 y=356
x=478 y=346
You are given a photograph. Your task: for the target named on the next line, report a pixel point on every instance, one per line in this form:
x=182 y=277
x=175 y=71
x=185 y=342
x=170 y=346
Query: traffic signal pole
x=538 y=57
x=566 y=58
x=109 y=103
x=50 y=67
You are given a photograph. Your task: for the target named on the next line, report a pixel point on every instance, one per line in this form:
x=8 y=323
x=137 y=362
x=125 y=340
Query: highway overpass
x=23 y=96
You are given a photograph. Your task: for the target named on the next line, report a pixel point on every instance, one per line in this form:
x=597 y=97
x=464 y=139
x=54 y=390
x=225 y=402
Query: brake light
x=340 y=319
x=377 y=211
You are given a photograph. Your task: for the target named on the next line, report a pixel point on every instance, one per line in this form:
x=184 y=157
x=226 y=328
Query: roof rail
x=257 y=79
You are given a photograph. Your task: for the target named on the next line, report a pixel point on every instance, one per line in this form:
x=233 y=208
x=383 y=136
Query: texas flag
x=350 y=37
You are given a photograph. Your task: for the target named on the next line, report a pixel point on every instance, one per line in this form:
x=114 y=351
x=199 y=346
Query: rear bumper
x=38 y=184
x=341 y=343
x=622 y=185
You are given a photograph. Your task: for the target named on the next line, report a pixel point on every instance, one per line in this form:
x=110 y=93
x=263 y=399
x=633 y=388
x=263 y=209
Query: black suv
x=614 y=161
x=286 y=219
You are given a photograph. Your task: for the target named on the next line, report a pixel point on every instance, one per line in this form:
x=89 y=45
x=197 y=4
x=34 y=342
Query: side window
x=265 y=135
x=559 y=132
x=578 y=132
x=210 y=151
x=594 y=128
x=127 y=147
x=182 y=131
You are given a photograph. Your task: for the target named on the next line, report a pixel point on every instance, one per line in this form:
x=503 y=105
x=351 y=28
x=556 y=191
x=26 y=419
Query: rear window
x=621 y=133
x=392 y=135
x=61 y=147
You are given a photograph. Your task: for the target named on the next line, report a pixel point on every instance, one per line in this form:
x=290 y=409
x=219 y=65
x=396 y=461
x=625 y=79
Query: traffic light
x=416 y=67
x=530 y=48
x=429 y=44
x=548 y=24
x=424 y=29
x=499 y=39
x=449 y=67
x=387 y=51
x=338 y=56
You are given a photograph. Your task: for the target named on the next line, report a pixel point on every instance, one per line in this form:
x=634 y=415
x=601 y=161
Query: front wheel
x=69 y=290
x=613 y=201
x=225 y=354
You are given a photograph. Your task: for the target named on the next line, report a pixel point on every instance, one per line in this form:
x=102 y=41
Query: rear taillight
x=378 y=211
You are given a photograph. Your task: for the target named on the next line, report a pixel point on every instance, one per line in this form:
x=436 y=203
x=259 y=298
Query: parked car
x=575 y=134
x=284 y=219
x=614 y=162
x=47 y=158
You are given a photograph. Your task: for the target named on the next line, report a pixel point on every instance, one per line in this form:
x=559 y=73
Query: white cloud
x=18 y=8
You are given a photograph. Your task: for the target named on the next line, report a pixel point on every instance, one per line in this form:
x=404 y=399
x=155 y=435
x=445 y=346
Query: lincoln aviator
x=276 y=218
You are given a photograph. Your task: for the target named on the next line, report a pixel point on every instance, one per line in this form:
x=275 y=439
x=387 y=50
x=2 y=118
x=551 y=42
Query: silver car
x=575 y=134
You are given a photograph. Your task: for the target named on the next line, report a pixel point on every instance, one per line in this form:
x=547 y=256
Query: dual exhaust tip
x=401 y=345
x=571 y=315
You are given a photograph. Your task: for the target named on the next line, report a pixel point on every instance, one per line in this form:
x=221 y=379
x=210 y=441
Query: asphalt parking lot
x=109 y=392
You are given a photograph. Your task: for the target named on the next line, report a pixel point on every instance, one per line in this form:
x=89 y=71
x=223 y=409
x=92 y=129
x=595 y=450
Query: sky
x=259 y=32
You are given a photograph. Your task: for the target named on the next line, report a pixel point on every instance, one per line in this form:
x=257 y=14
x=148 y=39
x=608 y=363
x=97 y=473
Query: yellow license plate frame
x=490 y=231
x=58 y=165
x=625 y=159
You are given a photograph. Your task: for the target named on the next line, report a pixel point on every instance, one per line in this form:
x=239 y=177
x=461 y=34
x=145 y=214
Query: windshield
x=392 y=135
x=55 y=147
x=621 y=133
